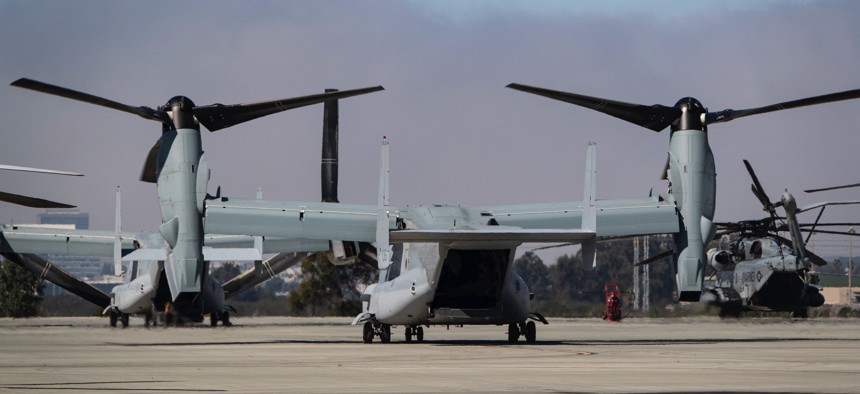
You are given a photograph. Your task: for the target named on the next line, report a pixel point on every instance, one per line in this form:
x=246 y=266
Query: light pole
x=850 y=264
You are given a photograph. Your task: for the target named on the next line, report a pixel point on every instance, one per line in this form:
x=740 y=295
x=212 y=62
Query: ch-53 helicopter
x=171 y=265
x=763 y=271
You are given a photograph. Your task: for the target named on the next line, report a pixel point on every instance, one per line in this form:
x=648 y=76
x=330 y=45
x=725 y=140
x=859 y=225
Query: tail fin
x=117 y=238
x=589 y=209
x=383 y=246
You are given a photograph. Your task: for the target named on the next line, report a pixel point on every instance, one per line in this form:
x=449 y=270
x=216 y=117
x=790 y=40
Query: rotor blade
x=665 y=176
x=848 y=233
x=656 y=117
x=814 y=258
x=149 y=173
x=758 y=190
x=220 y=116
x=826 y=203
x=730 y=114
x=261 y=272
x=829 y=224
x=144 y=112
x=832 y=188
x=32 y=202
x=45 y=270
x=38 y=170
x=329 y=160
x=652 y=259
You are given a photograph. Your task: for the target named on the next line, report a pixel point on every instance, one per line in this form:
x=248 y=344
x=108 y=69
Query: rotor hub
x=692 y=115
x=180 y=110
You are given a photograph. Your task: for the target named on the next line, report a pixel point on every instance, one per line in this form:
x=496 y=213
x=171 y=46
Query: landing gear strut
x=417 y=331
x=376 y=329
x=526 y=329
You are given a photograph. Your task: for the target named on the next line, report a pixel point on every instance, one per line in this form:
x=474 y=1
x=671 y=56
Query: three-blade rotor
x=213 y=117
x=657 y=117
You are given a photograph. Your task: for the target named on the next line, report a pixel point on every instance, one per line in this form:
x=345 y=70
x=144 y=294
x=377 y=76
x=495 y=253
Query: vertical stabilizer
x=383 y=247
x=589 y=209
x=117 y=238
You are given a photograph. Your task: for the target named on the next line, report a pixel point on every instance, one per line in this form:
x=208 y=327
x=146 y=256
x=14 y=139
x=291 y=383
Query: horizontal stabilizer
x=485 y=235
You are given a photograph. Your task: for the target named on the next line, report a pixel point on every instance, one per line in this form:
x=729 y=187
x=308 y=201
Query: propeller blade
x=652 y=259
x=144 y=112
x=730 y=114
x=37 y=170
x=665 y=176
x=220 y=116
x=32 y=202
x=656 y=117
x=149 y=173
x=45 y=270
x=832 y=188
x=329 y=163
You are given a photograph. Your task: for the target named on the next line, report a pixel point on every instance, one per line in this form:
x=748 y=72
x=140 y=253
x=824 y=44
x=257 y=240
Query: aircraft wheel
x=513 y=333
x=368 y=332
x=113 y=318
x=531 y=332
x=419 y=334
x=213 y=319
x=730 y=312
x=147 y=320
x=800 y=313
x=408 y=334
x=124 y=320
x=385 y=334
x=225 y=319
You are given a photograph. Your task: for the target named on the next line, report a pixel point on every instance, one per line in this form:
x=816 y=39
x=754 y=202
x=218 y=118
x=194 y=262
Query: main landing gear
x=526 y=329
x=416 y=331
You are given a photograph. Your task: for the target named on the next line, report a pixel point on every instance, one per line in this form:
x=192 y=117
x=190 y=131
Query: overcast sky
x=457 y=134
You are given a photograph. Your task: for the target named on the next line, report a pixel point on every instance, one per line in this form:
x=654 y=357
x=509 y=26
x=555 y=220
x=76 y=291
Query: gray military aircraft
x=690 y=167
x=34 y=202
x=176 y=164
x=763 y=271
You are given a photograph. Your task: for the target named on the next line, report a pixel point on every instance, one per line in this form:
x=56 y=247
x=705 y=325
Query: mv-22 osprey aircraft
x=452 y=264
x=170 y=266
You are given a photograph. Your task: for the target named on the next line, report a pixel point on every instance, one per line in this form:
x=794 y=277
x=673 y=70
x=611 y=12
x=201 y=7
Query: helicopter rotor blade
x=814 y=258
x=832 y=188
x=759 y=191
x=850 y=234
x=144 y=112
x=730 y=114
x=219 y=116
x=655 y=117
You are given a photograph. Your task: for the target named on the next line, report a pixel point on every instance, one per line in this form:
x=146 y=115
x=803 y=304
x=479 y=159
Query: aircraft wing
x=270 y=244
x=615 y=218
x=42 y=240
x=292 y=219
x=490 y=233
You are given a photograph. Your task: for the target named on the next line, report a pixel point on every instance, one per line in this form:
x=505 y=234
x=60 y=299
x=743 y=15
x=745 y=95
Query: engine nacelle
x=720 y=260
x=342 y=252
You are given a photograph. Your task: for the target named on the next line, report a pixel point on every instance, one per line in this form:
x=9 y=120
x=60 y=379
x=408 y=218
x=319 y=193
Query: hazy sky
x=457 y=134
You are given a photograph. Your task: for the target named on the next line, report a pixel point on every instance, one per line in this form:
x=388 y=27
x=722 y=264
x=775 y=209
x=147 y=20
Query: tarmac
x=263 y=355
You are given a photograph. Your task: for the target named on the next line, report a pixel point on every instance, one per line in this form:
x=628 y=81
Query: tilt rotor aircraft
x=170 y=266
x=690 y=167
